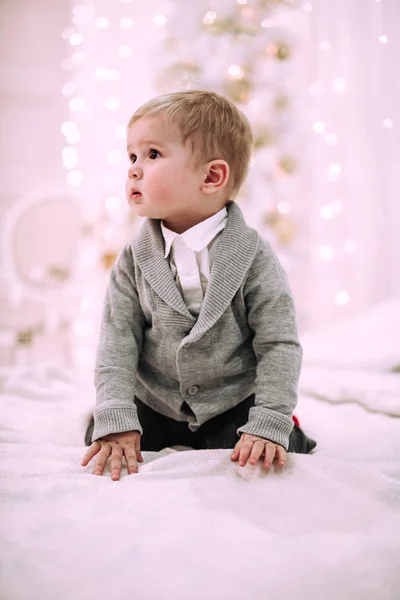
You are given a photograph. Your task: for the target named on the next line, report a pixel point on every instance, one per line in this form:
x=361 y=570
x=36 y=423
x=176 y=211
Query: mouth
x=135 y=195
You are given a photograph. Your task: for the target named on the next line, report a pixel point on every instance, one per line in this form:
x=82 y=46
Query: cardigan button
x=192 y=391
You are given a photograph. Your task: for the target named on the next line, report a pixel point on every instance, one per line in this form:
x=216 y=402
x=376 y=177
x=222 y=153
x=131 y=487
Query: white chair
x=40 y=241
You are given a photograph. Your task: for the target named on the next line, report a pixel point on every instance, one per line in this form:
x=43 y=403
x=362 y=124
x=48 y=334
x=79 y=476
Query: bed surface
x=192 y=524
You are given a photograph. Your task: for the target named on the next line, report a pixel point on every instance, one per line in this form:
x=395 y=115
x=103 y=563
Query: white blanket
x=193 y=525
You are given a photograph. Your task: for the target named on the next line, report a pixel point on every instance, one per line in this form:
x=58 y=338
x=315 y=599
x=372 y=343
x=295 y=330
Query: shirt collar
x=198 y=237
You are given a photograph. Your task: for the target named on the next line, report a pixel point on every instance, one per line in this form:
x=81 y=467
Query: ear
x=216 y=176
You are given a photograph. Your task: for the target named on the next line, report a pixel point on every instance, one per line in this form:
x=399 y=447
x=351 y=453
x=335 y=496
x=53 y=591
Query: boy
x=198 y=343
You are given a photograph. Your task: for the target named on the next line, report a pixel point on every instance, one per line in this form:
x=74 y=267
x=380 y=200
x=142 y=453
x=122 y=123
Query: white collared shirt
x=190 y=257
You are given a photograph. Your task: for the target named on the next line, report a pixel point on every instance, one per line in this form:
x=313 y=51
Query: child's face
x=163 y=182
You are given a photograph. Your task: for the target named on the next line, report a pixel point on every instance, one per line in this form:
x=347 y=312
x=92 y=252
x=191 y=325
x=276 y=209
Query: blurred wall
x=31 y=105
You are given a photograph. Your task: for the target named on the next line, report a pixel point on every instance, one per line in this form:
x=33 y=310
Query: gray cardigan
x=244 y=340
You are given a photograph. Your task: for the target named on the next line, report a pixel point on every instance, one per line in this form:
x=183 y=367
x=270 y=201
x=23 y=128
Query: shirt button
x=192 y=391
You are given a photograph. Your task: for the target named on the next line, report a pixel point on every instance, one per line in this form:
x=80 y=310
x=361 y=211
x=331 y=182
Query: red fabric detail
x=296 y=421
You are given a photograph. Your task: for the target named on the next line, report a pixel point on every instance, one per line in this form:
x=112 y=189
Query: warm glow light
x=125 y=51
x=76 y=39
x=387 y=123
x=209 y=17
x=339 y=85
x=335 y=169
x=75 y=178
x=70 y=157
x=159 y=20
x=101 y=23
x=66 y=34
x=326 y=212
x=78 y=58
x=112 y=203
x=383 y=39
x=113 y=102
x=73 y=137
x=319 y=127
x=266 y=23
x=67 y=127
x=68 y=89
x=76 y=104
x=126 y=22
x=235 y=71
x=342 y=298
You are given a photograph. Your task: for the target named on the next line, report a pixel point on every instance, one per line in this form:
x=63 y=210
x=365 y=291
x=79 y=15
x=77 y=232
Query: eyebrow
x=146 y=143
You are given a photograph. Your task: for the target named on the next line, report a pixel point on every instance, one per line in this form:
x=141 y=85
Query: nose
x=135 y=171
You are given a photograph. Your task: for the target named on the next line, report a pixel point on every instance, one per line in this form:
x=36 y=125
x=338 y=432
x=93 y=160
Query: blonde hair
x=214 y=127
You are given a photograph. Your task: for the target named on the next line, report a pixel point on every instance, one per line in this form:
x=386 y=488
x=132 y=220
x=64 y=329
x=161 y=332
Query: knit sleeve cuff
x=269 y=425
x=115 y=420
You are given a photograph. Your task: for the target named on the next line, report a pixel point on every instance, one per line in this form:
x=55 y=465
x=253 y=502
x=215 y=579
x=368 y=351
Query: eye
x=153 y=154
x=132 y=158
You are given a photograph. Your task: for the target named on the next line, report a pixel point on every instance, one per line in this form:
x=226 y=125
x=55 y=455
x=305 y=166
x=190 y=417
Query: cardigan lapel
x=148 y=249
x=236 y=249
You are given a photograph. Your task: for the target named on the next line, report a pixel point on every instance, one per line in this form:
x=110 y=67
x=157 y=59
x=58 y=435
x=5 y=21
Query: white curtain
x=352 y=172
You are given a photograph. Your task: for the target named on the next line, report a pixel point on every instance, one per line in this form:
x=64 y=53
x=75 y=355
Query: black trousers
x=220 y=432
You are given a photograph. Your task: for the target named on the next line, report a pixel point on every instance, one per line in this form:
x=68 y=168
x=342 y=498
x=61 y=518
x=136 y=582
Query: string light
x=159 y=20
x=76 y=104
x=101 y=23
x=113 y=103
x=126 y=22
x=342 y=298
x=387 y=123
x=125 y=51
x=319 y=127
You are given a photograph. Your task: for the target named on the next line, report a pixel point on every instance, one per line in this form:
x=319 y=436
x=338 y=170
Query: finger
x=90 y=453
x=116 y=462
x=236 y=450
x=256 y=452
x=102 y=459
x=138 y=452
x=281 y=455
x=270 y=450
x=245 y=451
x=131 y=460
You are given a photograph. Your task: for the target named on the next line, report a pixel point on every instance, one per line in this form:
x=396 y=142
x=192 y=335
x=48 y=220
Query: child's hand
x=251 y=447
x=116 y=445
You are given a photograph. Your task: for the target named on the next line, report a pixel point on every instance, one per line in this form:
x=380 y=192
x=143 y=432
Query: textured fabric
x=244 y=340
x=190 y=256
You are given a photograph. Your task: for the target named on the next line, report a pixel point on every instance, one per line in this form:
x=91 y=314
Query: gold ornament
x=281 y=102
x=238 y=90
x=287 y=164
x=177 y=74
x=283 y=50
x=231 y=25
x=263 y=137
x=108 y=259
x=284 y=226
